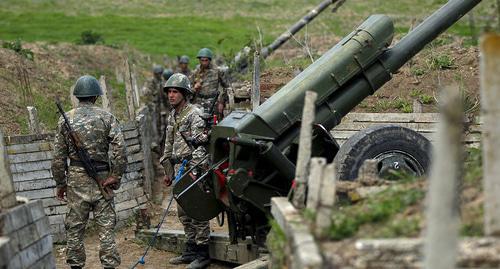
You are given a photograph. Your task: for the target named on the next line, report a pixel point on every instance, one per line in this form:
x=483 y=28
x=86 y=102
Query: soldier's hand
x=167 y=180
x=220 y=107
x=110 y=181
x=61 y=193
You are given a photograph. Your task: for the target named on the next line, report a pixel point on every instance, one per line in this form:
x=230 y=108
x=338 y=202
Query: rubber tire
x=370 y=142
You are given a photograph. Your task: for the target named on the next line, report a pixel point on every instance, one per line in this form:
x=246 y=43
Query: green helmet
x=157 y=69
x=184 y=59
x=205 y=53
x=179 y=81
x=167 y=73
x=87 y=86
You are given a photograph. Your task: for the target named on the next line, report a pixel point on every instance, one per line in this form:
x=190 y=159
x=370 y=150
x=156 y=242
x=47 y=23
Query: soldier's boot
x=202 y=258
x=187 y=256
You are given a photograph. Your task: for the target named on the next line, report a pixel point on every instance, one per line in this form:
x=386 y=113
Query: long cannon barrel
x=260 y=146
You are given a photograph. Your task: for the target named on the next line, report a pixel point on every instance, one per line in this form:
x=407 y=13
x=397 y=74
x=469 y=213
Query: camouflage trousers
x=196 y=231
x=83 y=197
x=158 y=188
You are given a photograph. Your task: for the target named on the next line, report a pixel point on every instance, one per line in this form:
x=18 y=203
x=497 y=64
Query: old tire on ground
x=394 y=147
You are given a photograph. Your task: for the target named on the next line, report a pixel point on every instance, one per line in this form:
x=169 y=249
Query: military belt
x=99 y=166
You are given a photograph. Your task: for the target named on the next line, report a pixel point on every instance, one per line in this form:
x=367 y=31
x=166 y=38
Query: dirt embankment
x=50 y=74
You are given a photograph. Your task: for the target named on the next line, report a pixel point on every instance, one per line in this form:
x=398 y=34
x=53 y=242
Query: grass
x=393 y=213
x=177 y=27
x=276 y=242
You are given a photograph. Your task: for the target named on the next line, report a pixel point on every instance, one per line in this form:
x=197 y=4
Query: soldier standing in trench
x=100 y=133
x=183 y=66
x=206 y=78
x=156 y=101
x=185 y=122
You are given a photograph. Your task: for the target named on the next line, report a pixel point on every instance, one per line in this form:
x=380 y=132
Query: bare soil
x=131 y=249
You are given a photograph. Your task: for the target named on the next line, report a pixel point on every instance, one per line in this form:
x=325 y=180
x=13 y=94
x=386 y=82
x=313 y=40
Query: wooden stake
x=443 y=217
x=304 y=154
x=256 y=81
x=105 y=95
x=129 y=91
x=490 y=100
x=7 y=191
x=34 y=125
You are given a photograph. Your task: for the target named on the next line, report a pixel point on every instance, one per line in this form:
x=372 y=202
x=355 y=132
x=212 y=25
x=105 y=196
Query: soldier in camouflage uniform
x=167 y=73
x=156 y=101
x=101 y=136
x=206 y=78
x=185 y=120
x=182 y=66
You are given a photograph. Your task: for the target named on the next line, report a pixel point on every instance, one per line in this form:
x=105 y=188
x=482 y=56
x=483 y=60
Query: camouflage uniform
x=210 y=79
x=186 y=72
x=190 y=124
x=99 y=131
x=157 y=103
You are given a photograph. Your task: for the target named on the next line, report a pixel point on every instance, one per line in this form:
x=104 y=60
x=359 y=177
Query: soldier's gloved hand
x=61 y=192
x=111 y=182
x=167 y=180
x=174 y=160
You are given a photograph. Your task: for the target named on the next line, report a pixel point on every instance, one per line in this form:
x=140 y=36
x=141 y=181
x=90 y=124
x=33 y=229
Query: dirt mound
x=50 y=74
x=444 y=62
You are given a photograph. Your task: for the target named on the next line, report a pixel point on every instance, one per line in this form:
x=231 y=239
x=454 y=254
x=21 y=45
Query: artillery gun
x=255 y=152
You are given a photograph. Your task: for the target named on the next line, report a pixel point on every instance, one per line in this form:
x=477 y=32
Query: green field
x=176 y=27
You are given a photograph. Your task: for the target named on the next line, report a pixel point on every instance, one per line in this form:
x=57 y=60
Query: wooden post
x=34 y=122
x=316 y=167
x=144 y=126
x=304 y=154
x=326 y=201
x=74 y=100
x=105 y=95
x=256 y=81
x=443 y=217
x=417 y=106
x=129 y=91
x=137 y=96
x=7 y=191
x=490 y=100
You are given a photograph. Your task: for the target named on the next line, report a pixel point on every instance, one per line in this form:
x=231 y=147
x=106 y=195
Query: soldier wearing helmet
x=185 y=122
x=156 y=101
x=210 y=82
x=167 y=73
x=101 y=136
x=183 y=66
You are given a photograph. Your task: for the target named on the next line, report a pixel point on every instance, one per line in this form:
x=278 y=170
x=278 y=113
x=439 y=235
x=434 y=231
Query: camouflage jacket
x=210 y=80
x=188 y=72
x=99 y=131
x=154 y=95
x=188 y=122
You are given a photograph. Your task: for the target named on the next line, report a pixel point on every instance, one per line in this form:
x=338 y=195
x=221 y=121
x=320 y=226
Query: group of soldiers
x=182 y=103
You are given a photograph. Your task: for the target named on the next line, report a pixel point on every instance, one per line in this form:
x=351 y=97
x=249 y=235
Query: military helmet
x=167 y=73
x=184 y=59
x=157 y=69
x=205 y=53
x=179 y=81
x=87 y=86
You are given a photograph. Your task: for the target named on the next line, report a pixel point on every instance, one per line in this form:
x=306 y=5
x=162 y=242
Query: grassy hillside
x=178 y=27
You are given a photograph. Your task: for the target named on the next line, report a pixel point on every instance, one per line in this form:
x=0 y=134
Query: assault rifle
x=83 y=155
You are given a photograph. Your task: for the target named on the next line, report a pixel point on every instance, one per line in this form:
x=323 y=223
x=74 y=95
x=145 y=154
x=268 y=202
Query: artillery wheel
x=394 y=147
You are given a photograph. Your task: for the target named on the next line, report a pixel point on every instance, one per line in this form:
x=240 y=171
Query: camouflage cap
x=179 y=81
x=167 y=73
x=157 y=69
x=205 y=53
x=87 y=86
x=184 y=59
